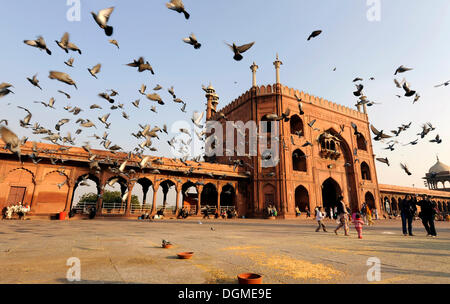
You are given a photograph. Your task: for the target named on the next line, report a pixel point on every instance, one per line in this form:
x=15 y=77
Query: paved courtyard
x=289 y=251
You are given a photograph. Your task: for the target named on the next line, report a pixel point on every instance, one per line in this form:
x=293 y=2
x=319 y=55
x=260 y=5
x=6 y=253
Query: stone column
x=69 y=197
x=199 y=201
x=219 y=192
x=277 y=65
x=155 y=190
x=254 y=68
x=128 y=207
x=100 y=200
x=177 y=201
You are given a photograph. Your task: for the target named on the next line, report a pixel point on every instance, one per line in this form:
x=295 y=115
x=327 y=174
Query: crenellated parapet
x=264 y=90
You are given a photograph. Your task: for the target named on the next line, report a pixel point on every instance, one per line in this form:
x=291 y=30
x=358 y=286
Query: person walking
x=319 y=218
x=342 y=216
x=369 y=217
x=308 y=213
x=407 y=210
x=359 y=223
x=427 y=214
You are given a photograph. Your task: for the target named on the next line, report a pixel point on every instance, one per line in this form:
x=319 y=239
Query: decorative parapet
x=286 y=91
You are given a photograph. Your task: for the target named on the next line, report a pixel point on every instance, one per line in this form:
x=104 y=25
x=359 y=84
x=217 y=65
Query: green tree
x=110 y=198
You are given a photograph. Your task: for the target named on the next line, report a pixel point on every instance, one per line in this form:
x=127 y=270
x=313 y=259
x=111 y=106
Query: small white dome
x=439 y=167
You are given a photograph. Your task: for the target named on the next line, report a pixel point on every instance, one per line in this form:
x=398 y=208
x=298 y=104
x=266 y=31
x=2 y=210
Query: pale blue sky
x=413 y=33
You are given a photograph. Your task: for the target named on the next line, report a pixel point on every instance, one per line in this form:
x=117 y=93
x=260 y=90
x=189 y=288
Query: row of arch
x=390 y=204
x=330 y=193
x=165 y=194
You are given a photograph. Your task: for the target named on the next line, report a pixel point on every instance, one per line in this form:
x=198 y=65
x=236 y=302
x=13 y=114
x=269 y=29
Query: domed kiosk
x=438 y=177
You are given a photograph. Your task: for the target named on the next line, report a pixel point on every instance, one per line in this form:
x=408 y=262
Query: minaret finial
x=277 y=65
x=254 y=68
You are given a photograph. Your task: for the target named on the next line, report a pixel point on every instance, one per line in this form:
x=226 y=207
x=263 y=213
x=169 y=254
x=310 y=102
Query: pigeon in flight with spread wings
x=178 y=6
x=238 y=50
x=102 y=19
x=192 y=40
x=379 y=135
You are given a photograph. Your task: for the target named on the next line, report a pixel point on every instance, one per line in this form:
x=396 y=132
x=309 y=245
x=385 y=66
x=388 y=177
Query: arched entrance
x=227 y=197
x=209 y=196
x=330 y=193
x=350 y=189
x=301 y=198
x=370 y=200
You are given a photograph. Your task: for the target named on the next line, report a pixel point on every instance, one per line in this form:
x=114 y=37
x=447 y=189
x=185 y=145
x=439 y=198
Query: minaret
x=254 y=68
x=277 y=65
x=212 y=101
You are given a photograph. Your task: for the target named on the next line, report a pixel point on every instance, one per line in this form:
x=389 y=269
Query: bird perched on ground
x=11 y=140
x=38 y=43
x=102 y=19
x=238 y=50
x=178 y=6
x=402 y=69
x=95 y=70
x=113 y=41
x=192 y=40
x=63 y=77
x=141 y=65
x=314 y=34
x=405 y=168
x=379 y=134
x=384 y=161
x=34 y=81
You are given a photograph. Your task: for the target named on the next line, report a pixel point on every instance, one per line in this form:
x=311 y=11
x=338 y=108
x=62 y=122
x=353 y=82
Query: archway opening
x=190 y=197
x=115 y=196
x=362 y=143
x=299 y=161
x=209 y=196
x=227 y=198
x=296 y=125
x=365 y=171
x=330 y=193
x=166 y=197
x=301 y=198
x=370 y=200
x=85 y=193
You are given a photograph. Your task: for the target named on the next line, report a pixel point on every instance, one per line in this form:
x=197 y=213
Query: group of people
x=341 y=213
x=408 y=210
x=298 y=212
x=271 y=211
x=229 y=213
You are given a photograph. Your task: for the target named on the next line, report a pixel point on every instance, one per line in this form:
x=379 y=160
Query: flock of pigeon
x=145 y=132
x=381 y=135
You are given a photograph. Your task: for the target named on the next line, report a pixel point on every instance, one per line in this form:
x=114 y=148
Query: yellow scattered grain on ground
x=297 y=269
x=215 y=275
x=241 y=247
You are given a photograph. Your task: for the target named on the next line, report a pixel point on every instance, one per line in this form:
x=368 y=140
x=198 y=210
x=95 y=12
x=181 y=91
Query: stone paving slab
x=284 y=251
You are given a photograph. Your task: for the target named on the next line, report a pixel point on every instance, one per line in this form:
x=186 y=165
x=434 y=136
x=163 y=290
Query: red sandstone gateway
x=305 y=176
